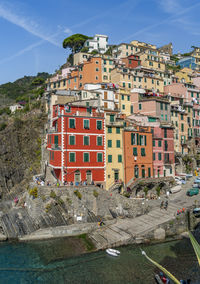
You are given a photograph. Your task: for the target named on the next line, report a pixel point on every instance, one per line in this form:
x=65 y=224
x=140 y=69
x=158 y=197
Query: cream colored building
x=125 y=49
x=185 y=75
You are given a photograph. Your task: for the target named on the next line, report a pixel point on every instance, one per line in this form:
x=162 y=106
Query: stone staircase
x=123 y=231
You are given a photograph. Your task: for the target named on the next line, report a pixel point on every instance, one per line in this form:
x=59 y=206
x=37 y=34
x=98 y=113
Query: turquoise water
x=49 y=262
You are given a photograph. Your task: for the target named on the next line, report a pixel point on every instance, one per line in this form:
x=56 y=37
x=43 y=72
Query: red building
x=77 y=144
x=131 y=61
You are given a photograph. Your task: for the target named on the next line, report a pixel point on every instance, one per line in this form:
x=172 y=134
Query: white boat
x=113 y=252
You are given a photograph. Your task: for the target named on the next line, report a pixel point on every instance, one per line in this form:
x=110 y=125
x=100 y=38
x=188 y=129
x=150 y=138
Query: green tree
x=38 y=81
x=94 y=52
x=75 y=42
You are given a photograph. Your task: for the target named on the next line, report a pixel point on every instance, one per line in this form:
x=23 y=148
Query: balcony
x=55 y=147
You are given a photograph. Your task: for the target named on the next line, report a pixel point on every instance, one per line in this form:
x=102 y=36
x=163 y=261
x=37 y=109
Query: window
x=166 y=117
x=118 y=143
x=86 y=141
x=99 y=141
x=109 y=158
x=72 y=157
x=154 y=143
x=181 y=116
x=152 y=81
x=109 y=143
x=64 y=82
x=86 y=124
x=128 y=98
x=140 y=106
x=99 y=124
x=133 y=139
x=154 y=156
x=145 y=79
x=159 y=156
x=165 y=133
x=124 y=85
x=123 y=96
x=143 y=152
x=166 y=157
x=112 y=118
x=149 y=172
x=104 y=61
x=143 y=140
x=166 y=145
x=71 y=140
x=117 y=130
x=123 y=106
x=165 y=106
x=192 y=95
x=131 y=109
x=71 y=123
x=129 y=85
x=56 y=140
x=86 y=157
x=104 y=69
x=159 y=143
x=119 y=158
x=99 y=157
x=161 y=106
x=182 y=127
x=134 y=151
x=109 y=129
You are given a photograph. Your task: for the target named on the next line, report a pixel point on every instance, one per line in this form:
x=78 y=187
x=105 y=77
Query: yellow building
x=143 y=44
x=151 y=59
x=125 y=49
x=185 y=75
x=114 y=150
x=196 y=54
x=124 y=102
x=138 y=78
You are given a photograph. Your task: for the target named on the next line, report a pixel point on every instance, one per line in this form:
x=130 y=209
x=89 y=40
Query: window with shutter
x=99 y=157
x=109 y=158
x=86 y=140
x=109 y=143
x=99 y=141
x=143 y=152
x=72 y=157
x=71 y=140
x=118 y=143
x=99 y=124
x=86 y=123
x=71 y=123
x=135 y=151
x=86 y=157
x=119 y=158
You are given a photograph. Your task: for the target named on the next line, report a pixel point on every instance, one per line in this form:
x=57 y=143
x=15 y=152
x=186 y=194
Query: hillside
x=20 y=88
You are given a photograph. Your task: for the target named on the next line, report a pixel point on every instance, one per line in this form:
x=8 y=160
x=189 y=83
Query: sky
x=32 y=31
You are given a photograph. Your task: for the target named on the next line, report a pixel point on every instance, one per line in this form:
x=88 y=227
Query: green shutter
x=99 y=157
x=118 y=143
x=99 y=141
x=118 y=130
x=149 y=172
x=86 y=140
x=72 y=123
x=134 y=151
x=109 y=143
x=99 y=124
x=119 y=158
x=109 y=158
x=109 y=129
x=86 y=157
x=138 y=137
x=56 y=140
x=132 y=137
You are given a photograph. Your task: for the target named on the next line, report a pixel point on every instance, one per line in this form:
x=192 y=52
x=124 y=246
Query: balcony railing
x=55 y=147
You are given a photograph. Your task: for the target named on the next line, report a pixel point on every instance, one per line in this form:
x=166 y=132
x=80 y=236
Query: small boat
x=113 y=252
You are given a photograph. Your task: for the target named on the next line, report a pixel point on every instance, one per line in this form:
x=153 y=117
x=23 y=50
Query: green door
x=143 y=173
x=116 y=176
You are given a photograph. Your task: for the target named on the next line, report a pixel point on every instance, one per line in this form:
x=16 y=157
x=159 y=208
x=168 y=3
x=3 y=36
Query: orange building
x=138 y=153
x=87 y=72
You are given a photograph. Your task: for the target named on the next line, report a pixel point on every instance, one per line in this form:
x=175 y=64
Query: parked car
x=192 y=191
x=197 y=180
x=196 y=185
x=189 y=176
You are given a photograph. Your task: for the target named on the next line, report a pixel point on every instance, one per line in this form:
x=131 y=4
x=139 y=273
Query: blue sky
x=32 y=31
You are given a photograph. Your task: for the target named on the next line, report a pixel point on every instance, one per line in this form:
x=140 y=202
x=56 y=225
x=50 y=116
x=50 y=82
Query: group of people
x=39 y=181
x=179 y=211
x=164 y=205
x=81 y=183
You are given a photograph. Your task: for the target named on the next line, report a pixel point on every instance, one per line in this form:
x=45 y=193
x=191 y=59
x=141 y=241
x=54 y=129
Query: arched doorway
x=143 y=171
x=89 y=177
x=136 y=171
x=77 y=177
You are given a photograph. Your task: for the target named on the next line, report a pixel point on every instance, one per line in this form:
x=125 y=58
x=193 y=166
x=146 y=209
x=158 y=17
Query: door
x=89 y=177
x=116 y=176
x=77 y=177
x=136 y=170
x=143 y=173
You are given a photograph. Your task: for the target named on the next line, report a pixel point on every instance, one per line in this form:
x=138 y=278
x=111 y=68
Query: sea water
x=52 y=262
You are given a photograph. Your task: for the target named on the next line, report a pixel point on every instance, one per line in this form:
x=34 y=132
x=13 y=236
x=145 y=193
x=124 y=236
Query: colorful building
x=138 y=153
x=77 y=144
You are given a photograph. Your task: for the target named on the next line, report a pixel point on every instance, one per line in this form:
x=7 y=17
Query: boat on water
x=113 y=252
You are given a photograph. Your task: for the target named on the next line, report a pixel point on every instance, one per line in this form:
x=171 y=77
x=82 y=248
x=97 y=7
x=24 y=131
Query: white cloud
x=170 y=6
x=25 y=23
x=67 y=31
